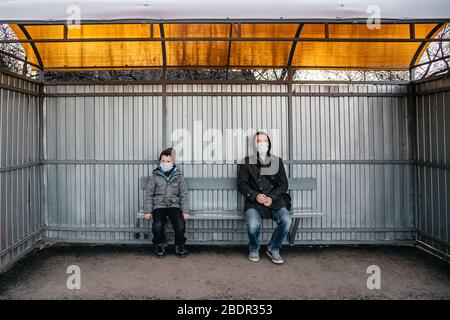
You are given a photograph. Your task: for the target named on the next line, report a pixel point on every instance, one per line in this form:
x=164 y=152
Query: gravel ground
x=133 y=272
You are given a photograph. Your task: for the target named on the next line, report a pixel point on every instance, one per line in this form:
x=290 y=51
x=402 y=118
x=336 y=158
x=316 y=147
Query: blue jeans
x=254 y=226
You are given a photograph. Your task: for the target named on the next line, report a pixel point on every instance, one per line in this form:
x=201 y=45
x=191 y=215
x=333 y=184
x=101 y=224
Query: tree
x=12 y=49
x=436 y=57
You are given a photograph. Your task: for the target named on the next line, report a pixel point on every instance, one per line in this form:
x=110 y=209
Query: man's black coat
x=251 y=183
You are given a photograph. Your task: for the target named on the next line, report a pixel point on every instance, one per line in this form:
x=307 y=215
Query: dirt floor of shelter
x=130 y=272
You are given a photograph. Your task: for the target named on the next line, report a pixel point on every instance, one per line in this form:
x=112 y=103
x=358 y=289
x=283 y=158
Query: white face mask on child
x=166 y=166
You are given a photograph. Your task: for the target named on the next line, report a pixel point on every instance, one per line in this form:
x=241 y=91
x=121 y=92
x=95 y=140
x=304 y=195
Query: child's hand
x=185 y=216
x=148 y=216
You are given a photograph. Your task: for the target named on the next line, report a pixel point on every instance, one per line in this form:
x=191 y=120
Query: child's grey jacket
x=166 y=192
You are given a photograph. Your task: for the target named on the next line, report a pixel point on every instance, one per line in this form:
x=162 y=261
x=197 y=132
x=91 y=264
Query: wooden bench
x=231 y=184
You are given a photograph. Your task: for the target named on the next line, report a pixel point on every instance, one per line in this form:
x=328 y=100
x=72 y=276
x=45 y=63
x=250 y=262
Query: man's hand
x=261 y=198
x=148 y=216
x=185 y=216
x=268 y=201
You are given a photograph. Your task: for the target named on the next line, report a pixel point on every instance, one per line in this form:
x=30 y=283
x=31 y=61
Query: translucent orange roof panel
x=196 y=53
x=259 y=53
x=201 y=53
x=363 y=31
x=423 y=30
x=313 y=31
x=101 y=54
x=46 y=32
x=196 y=30
x=329 y=54
x=102 y=46
x=265 y=30
x=113 y=30
x=353 y=54
x=93 y=55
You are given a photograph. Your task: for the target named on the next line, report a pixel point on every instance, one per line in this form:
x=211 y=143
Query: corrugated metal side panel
x=20 y=171
x=358 y=147
x=96 y=147
x=433 y=142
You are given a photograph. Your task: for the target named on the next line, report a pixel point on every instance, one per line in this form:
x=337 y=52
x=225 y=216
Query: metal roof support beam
x=152 y=31
x=230 y=81
x=229 y=50
x=431 y=61
x=227 y=21
x=326 y=30
x=66 y=31
x=412 y=31
x=292 y=51
x=222 y=39
x=33 y=46
x=19 y=59
x=390 y=68
x=420 y=49
x=163 y=48
x=25 y=67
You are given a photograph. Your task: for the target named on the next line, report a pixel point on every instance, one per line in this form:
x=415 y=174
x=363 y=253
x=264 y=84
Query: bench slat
x=236 y=215
x=216 y=216
x=211 y=183
x=306 y=214
x=231 y=183
x=302 y=184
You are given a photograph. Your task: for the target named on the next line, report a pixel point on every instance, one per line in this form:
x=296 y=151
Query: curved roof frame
x=33 y=45
x=423 y=45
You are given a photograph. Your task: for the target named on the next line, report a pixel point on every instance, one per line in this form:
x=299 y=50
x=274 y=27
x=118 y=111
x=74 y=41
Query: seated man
x=262 y=180
x=166 y=196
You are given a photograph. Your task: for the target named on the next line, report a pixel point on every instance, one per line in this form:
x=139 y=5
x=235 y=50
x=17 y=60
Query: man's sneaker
x=160 y=252
x=275 y=256
x=253 y=256
x=180 y=251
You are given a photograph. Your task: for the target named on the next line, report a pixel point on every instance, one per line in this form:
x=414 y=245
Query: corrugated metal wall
x=97 y=148
x=20 y=167
x=433 y=144
x=355 y=139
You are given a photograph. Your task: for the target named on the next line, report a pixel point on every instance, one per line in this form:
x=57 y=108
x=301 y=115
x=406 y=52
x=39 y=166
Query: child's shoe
x=160 y=252
x=180 y=251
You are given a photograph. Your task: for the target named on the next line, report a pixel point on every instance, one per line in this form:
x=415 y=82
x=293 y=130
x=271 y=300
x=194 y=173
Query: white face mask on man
x=166 y=166
x=262 y=147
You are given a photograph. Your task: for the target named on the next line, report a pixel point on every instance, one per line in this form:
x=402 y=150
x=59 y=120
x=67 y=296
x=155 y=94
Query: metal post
x=165 y=134
x=411 y=74
x=414 y=149
x=41 y=75
x=293 y=232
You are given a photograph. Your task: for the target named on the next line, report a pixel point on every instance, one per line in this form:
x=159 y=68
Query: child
x=166 y=196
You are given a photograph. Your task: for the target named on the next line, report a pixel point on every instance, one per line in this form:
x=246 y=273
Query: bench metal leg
x=293 y=232
x=137 y=235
